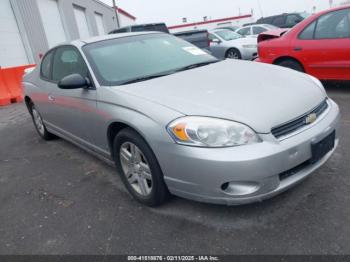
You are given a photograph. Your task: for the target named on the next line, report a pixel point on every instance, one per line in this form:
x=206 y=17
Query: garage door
x=12 y=52
x=52 y=22
x=82 y=23
x=100 y=24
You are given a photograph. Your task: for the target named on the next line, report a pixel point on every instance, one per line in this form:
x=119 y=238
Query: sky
x=172 y=11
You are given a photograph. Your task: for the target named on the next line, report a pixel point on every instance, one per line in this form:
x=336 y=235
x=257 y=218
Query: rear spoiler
x=273 y=34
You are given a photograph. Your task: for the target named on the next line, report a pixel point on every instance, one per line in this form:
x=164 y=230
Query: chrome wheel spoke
x=125 y=155
x=144 y=188
x=136 y=168
x=145 y=171
x=137 y=155
x=132 y=178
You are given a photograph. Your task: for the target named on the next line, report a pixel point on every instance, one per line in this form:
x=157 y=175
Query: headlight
x=250 y=46
x=318 y=83
x=210 y=132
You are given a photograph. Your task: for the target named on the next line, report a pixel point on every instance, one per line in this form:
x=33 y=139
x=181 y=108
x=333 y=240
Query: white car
x=228 y=44
x=255 y=30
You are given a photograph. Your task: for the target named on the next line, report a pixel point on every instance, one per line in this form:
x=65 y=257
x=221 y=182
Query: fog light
x=240 y=188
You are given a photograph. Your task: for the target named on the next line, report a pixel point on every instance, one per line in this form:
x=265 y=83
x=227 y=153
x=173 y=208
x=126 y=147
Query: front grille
x=300 y=122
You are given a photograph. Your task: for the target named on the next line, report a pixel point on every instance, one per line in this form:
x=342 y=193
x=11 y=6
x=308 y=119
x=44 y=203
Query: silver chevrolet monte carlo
x=175 y=120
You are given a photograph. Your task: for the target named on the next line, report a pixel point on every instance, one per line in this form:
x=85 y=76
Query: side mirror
x=74 y=81
x=216 y=41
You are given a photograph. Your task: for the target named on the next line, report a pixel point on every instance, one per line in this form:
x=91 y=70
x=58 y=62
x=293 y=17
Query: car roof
x=218 y=30
x=334 y=9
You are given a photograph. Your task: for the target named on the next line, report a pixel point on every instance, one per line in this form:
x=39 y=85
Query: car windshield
x=122 y=60
x=228 y=35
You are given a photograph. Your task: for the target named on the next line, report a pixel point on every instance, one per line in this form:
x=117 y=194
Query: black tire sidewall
x=159 y=192
x=291 y=64
x=236 y=50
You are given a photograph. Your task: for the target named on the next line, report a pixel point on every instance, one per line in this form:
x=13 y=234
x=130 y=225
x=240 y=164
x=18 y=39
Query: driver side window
x=334 y=25
x=213 y=37
x=67 y=60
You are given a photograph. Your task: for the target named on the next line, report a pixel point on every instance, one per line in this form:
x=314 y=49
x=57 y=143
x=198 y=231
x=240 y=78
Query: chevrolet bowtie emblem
x=310 y=119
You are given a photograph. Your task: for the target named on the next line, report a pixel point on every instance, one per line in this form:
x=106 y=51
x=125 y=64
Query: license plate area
x=320 y=149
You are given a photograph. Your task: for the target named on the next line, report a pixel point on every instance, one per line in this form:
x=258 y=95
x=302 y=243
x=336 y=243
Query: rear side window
x=46 y=66
x=292 y=20
x=122 y=30
x=308 y=32
x=213 y=37
x=258 y=30
x=244 y=31
x=67 y=61
x=279 y=20
x=156 y=27
x=268 y=20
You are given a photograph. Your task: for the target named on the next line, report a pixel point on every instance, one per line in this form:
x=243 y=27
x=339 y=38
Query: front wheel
x=39 y=124
x=233 y=54
x=139 y=169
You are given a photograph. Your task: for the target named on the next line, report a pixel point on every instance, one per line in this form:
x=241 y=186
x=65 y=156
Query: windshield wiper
x=144 y=78
x=195 y=66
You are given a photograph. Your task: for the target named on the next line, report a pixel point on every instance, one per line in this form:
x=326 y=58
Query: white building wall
x=84 y=27
x=52 y=22
x=101 y=28
x=12 y=51
x=125 y=20
x=28 y=28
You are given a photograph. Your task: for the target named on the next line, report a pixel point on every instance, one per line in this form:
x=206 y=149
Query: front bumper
x=201 y=173
x=249 y=53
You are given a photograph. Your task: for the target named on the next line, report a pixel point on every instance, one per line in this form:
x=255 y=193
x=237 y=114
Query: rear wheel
x=233 y=53
x=39 y=124
x=292 y=64
x=139 y=169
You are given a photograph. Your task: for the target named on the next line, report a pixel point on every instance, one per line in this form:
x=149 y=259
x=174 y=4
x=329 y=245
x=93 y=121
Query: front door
x=70 y=109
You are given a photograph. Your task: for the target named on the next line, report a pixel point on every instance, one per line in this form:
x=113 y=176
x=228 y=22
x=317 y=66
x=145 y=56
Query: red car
x=319 y=46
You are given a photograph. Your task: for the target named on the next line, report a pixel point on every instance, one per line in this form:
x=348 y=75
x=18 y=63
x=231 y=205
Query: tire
x=233 y=53
x=139 y=168
x=39 y=124
x=292 y=64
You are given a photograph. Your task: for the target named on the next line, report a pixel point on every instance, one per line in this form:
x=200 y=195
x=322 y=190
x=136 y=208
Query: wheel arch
x=115 y=128
x=284 y=58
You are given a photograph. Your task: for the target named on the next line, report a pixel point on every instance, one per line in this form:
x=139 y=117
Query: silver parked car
x=255 y=30
x=176 y=120
x=228 y=44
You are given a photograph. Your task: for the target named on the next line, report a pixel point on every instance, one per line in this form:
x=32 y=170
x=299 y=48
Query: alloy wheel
x=136 y=168
x=232 y=54
x=38 y=121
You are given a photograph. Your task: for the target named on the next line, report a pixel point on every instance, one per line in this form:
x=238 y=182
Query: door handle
x=298 y=48
x=51 y=98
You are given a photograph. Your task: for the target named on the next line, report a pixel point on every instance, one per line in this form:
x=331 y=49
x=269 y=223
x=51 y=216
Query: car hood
x=260 y=95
